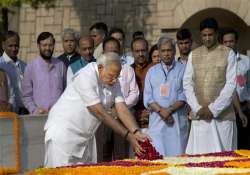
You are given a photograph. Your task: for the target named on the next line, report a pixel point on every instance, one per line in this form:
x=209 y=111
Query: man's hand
x=41 y=111
x=135 y=144
x=243 y=119
x=200 y=113
x=205 y=114
x=208 y=114
x=141 y=136
x=134 y=139
x=166 y=116
x=114 y=113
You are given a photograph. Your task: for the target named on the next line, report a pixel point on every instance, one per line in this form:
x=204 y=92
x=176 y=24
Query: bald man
x=86 y=50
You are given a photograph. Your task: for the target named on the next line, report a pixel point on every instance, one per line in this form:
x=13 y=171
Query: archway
x=225 y=19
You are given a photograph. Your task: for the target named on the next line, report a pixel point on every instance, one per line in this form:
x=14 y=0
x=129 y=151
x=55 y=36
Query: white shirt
x=70 y=75
x=225 y=97
x=127 y=59
x=129 y=86
x=70 y=123
x=243 y=66
x=19 y=72
x=98 y=51
x=179 y=60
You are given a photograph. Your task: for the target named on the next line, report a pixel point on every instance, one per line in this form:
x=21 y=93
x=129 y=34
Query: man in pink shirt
x=44 y=78
x=127 y=80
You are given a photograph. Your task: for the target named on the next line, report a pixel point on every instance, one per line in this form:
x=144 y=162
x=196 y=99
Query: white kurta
x=129 y=60
x=70 y=128
x=217 y=135
x=98 y=51
x=129 y=86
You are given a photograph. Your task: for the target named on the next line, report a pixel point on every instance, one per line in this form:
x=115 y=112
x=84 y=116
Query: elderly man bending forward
x=89 y=100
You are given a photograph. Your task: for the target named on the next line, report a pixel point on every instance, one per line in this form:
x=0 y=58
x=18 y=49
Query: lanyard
x=166 y=75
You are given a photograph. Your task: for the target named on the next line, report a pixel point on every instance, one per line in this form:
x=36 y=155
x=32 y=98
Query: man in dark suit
x=69 y=39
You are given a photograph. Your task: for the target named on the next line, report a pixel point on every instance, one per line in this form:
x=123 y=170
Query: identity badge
x=164 y=90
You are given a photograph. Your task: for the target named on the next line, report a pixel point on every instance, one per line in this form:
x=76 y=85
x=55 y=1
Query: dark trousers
x=110 y=146
x=23 y=111
x=243 y=133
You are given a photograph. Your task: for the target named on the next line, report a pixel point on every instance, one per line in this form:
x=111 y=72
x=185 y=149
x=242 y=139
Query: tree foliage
x=6 y=4
x=33 y=3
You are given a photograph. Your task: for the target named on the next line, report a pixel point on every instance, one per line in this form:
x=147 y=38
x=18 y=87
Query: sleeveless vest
x=210 y=68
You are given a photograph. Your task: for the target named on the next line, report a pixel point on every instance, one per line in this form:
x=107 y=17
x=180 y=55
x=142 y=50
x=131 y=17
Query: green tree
x=6 y=4
x=4 y=10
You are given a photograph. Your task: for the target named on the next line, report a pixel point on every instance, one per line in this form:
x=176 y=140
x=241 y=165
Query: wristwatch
x=136 y=130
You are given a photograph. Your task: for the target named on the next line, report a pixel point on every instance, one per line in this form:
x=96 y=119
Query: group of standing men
x=183 y=105
x=199 y=86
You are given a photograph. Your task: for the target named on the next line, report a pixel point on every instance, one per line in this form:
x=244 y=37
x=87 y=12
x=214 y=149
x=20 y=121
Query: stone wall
x=128 y=14
x=154 y=17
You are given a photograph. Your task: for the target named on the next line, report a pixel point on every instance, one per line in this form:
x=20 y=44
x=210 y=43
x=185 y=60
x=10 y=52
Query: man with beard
x=44 y=78
x=69 y=39
x=86 y=50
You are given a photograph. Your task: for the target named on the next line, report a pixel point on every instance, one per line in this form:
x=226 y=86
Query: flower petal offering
x=150 y=152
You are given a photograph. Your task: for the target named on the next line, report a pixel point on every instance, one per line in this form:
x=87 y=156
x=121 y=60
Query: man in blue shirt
x=163 y=95
x=14 y=68
x=86 y=50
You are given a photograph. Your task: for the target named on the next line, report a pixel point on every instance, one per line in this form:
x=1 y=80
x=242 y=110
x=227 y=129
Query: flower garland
x=236 y=153
x=103 y=170
x=244 y=163
x=123 y=163
x=16 y=169
x=224 y=163
x=159 y=173
x=126 y=167
x=238 y=162
x=243 y=152
x=234 y=174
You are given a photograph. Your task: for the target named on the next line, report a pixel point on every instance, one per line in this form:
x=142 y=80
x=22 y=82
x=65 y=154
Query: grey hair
x=108 y=58
x=164 y=40
x=72 y=32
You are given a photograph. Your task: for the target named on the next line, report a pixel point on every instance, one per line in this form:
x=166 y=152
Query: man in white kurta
x=230 y=39
x=242 y=97
x=70 y=129
x=112 y=146
x=209 y=83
